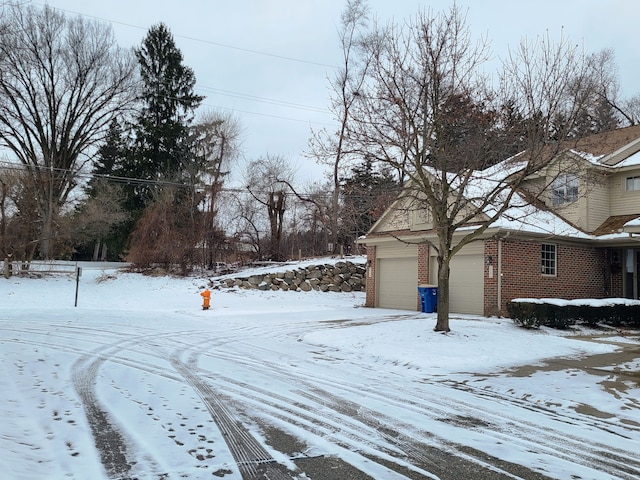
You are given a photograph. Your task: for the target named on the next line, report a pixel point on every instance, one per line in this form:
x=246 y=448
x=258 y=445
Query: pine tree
x=101 y=219
x=164 y=152
x=110 y=156
x=366 y=195
x=162 y=148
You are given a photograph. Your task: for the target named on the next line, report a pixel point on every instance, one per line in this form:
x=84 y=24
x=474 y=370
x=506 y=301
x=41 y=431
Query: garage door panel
x=466 y=283
x=398 y=285
x=466 y=287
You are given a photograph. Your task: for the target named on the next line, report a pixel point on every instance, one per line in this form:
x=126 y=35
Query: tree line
x=110 y=156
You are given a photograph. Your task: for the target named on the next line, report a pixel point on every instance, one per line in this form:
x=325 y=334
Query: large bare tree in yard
x=331 y=147
x=268 y=184
x=428 y=111
x=62 y=80
x=217 y=145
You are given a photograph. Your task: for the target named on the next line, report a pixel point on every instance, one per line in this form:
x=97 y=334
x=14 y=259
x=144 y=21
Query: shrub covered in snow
x=557 y=313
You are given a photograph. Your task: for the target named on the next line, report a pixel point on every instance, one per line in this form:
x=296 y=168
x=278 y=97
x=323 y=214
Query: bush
x=532 y=313
x=525 y=314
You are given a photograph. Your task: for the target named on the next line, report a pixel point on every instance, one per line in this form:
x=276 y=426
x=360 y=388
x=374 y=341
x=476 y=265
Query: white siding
x=622 y=201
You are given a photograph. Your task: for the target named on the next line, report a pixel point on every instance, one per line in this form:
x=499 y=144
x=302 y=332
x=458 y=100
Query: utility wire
x=13 y=166
x=263 y=99
x=200 y=40
x=226 y=92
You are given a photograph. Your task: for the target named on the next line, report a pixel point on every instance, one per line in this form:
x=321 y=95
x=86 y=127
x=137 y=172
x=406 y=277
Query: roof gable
x=611 y=147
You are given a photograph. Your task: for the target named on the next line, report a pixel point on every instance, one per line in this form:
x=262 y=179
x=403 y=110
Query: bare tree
x=217 y=145
x=167 y=235
x=63 y=79
x=268 y=183
x=332 y=147
x=606 y=87
x=10 y=185
x=429 y=112
x=18 y=215
x=249 y=224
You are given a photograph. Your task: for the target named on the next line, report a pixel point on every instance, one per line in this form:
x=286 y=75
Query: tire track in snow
x=251 y=457
x=109 y=442
x=526 y=434
x=341 y=423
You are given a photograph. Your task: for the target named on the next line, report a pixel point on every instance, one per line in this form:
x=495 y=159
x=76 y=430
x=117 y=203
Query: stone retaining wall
x=339 y=277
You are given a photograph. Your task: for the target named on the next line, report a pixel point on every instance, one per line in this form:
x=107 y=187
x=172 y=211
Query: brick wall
x=423 y=264
x=579 y=273
x=423 y=267
x=491 y=278
x=370 y=299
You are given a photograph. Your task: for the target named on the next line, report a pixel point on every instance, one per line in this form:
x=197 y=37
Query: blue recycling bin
x=428 y=298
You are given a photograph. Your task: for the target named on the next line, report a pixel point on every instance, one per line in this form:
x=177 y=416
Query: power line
x=7 y=164
x=230 y=93
x=245 y=96
x=200 y=40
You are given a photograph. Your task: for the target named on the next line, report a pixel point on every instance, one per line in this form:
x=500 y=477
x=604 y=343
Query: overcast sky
x=268 y=60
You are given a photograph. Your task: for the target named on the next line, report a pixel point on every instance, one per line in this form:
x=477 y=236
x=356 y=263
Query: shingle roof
x=614 y=224
x=606 y=143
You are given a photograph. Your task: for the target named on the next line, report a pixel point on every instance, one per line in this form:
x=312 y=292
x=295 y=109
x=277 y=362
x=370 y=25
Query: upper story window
x=565 y=189
x=548 y=259
x=633 y=184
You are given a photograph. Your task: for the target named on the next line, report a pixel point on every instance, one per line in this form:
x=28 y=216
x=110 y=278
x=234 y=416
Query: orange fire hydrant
x=206 y=298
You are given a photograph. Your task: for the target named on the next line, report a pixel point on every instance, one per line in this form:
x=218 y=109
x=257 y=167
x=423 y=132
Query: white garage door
x=467 y=280
x=397 y=278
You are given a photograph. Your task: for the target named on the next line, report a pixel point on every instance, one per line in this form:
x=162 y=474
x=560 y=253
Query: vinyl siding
x=598 y=206
x=622 y=201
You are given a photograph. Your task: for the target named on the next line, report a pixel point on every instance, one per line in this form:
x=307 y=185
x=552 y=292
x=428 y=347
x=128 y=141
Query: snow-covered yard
x=138 y=381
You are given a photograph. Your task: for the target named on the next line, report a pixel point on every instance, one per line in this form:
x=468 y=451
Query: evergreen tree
x=162 y=149
x=163 y=152
x=110 y=156
x=366 y=195
x=108 y=170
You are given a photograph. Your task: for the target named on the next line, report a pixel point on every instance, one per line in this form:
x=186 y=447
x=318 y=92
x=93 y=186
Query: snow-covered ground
x=138 y=381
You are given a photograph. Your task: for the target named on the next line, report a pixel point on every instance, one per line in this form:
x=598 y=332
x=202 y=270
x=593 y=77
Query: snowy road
x=268 y=386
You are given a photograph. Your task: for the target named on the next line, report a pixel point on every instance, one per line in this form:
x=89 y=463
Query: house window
x=548 y=258
x=633 y=184
x=565 y=189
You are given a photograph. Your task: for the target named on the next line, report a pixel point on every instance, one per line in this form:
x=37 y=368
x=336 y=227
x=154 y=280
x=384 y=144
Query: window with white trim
x=633 y=184
x=548 y=259
x=565 y=189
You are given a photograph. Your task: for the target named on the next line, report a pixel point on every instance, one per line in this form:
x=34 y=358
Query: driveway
x=253 y=400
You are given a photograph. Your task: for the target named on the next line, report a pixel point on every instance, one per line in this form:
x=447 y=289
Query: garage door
x=397 y=281
x=467 y=280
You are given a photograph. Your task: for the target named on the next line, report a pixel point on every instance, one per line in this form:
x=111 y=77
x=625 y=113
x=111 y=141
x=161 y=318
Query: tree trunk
x=442 y=324
x=46 y=233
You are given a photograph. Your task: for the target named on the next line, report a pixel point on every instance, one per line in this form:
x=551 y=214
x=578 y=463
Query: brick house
x=580 y=240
